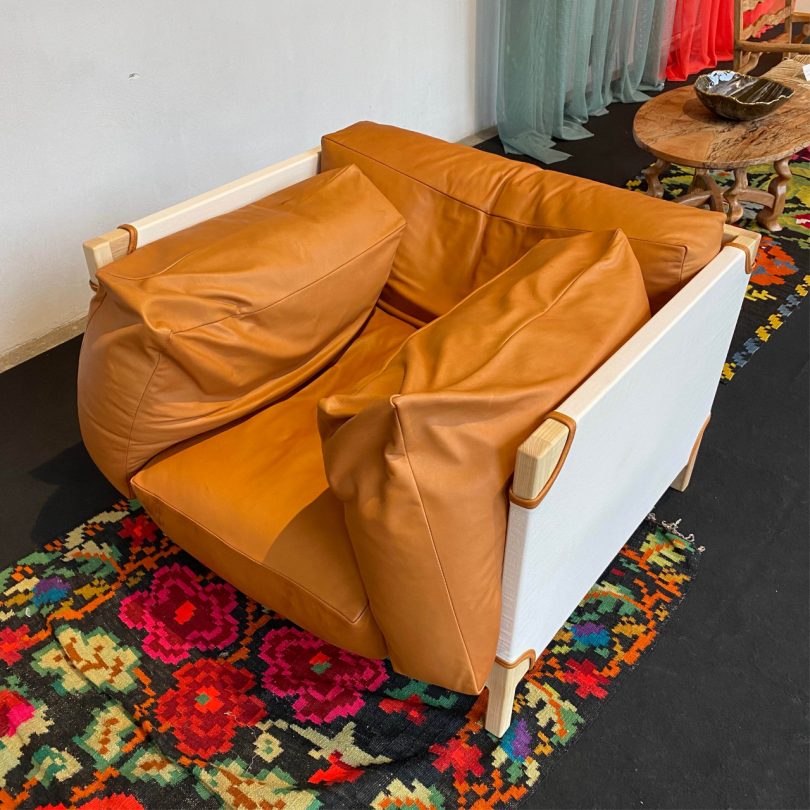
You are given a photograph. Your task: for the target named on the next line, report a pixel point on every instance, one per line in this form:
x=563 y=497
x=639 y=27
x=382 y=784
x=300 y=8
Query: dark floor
x=717 y=713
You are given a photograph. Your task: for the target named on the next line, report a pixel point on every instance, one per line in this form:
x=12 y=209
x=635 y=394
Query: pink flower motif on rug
x=14 y=711
x=329 y=682
x=210 y=703
x=180 y=614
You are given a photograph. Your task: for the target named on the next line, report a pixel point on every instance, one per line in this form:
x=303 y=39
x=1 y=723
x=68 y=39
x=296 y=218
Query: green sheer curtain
x=562 y=61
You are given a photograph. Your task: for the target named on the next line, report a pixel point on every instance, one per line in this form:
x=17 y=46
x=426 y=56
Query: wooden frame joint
x=540 y=459
x=744 y=240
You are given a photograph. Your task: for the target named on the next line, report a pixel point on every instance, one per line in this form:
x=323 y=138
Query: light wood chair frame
x=591 y=472
x=748 y=48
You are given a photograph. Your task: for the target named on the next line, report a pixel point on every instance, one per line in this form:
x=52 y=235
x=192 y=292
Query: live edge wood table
x=676 y=128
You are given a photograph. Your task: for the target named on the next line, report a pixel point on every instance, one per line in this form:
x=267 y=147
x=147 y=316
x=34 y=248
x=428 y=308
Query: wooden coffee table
x=676 y=128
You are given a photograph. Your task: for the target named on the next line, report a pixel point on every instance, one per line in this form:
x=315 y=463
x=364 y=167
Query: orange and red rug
x=134 y=678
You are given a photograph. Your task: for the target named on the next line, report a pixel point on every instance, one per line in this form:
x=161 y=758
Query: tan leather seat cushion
x=422 y=452
x=471 y=214
x=212 y=323
x=251 y=502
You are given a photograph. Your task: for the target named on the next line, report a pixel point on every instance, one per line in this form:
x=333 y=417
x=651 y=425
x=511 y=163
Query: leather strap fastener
x=133 y=237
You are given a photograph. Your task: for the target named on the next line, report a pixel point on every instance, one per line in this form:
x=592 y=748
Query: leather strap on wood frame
x=133 y=237
x=749 y=265
x=530 y=654
x=531 y=503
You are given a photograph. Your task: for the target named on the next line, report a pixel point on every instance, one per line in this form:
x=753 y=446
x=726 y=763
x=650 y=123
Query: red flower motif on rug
x=412 y=707
x=90 y=720
x=12 y=642
x=329 y=682
x=14 y=711
x=210 y=702
x=139 y=529
x=179 y=614
x=338 y=771
x=586 y=677
x=462 y=758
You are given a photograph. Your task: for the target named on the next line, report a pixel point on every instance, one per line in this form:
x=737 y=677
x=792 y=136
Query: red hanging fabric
x=702 y=36
x=703 y=33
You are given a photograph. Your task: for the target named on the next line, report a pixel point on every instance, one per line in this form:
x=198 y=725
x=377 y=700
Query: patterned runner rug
x=781 y=278
x=135 y=678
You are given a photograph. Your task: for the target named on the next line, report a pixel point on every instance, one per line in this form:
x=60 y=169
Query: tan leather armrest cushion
x=210 y=324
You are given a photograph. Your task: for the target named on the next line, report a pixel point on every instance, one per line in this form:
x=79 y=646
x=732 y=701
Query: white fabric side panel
x=637 y=419
x=227 y=198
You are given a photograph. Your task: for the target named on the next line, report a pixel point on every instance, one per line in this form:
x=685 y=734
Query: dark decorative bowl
x=739 y=97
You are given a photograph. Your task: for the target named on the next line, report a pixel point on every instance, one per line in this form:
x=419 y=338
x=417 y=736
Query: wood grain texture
x=636 y=421
x=676 y=128
x=790 y=72
x=538 y=457
x=105 y=249
x=773 y=47
x=502 y=683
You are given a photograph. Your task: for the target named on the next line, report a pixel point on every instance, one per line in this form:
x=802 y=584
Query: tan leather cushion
x=210 y=324
x=471 y=214
x=422 y=452
x=251 y=502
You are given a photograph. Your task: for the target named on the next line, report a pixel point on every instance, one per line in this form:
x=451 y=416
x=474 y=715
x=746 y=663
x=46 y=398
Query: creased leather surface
x=471 y=214
x=422 y=452
x=210 y=324
x=252 y=503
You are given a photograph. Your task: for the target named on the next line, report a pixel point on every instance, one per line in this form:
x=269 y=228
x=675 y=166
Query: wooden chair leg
x=685 y=475
x=502 y=683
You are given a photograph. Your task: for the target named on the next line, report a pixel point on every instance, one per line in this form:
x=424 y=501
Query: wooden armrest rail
x=111 y=246
x=541 y=457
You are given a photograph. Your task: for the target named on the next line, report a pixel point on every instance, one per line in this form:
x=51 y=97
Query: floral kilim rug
x=134 y=677
x=781 y=278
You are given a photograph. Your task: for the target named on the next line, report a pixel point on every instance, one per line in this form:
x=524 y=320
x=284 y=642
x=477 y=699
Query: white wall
x=110 y=110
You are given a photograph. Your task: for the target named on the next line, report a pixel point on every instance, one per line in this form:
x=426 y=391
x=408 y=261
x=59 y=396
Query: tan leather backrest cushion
x=422 y=452
x=471 y=214
x=195 y=330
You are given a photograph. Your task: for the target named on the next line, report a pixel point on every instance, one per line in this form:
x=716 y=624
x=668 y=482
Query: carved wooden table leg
x=715 y=193
x=769 y=217
x=652 y=174
x=733 y=194
x=703 y=189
